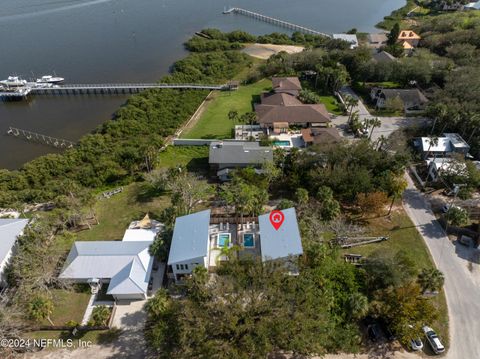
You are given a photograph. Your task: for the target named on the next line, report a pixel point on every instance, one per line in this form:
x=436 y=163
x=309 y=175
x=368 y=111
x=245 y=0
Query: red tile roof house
x=280 y=110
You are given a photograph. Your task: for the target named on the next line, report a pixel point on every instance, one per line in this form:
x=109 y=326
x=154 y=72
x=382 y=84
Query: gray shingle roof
x=190 y=237
x=282 y=243
x=239 y=153
x=407 y=95
x=384 y=56
x=10 y=229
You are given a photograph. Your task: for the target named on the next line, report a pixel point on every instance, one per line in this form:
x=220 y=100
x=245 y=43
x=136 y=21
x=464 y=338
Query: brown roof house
x=290 y=85
x=408 y=39
x=322 y=135
x=281 y=109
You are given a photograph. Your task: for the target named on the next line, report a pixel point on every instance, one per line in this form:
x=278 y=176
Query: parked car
x=433 y=340
x=416 y=344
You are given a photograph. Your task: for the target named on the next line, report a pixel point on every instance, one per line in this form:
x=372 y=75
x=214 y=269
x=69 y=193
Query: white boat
x=13 y=81
x=49 y=79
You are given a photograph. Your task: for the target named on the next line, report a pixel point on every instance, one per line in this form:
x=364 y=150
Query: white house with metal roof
x=10 y=230
x=125 y=266
x=198 y=241
x=443 y=146
x=190 y=244
x=350 y=38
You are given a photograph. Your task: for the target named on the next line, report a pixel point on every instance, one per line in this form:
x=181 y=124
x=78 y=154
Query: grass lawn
x=68 y=305
x=331 y=104
x=403 y=235
x=194 y=157
x=116 y=213
x=214 y=122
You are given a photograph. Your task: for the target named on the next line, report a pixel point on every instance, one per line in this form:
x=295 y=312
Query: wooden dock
x=126 y=88
x=274 y=21
x=39 y=138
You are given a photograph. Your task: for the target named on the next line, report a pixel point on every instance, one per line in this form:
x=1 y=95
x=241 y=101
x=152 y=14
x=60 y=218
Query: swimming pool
x=248 y=240
x=223 y=239
x=282 y=143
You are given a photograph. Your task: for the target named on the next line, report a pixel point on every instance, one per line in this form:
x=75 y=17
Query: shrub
x=100 y=316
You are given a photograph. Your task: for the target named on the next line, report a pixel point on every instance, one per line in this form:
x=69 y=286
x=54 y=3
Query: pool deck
x=236 y=236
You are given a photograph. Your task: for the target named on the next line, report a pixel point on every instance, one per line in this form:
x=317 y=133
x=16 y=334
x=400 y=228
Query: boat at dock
x=13 y=81
x=49 y=79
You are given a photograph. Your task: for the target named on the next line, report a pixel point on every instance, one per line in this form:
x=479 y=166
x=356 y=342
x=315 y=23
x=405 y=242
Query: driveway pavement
x=389 y=124
x=461 y=289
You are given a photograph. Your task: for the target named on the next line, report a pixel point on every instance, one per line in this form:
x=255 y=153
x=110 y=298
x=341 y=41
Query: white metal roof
x=443 y=145
x=282 y=243
x=10 y=229
x=132 y=279
x=104 y=259
x=351 y=38
x=190 y=237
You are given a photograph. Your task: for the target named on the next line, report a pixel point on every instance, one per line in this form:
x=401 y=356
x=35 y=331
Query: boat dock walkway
x=33 y=89
x=39 y=138
x=274 y=21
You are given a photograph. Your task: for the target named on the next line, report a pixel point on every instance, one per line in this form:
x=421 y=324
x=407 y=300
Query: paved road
x=462 y=291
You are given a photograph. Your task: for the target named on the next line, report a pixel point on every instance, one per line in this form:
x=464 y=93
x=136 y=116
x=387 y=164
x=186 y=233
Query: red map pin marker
x=276 y=219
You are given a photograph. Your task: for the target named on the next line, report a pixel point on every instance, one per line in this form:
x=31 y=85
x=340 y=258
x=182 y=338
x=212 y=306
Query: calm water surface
x=94 y=41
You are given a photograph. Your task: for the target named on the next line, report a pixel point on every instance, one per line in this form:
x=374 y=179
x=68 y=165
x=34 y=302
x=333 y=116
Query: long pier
x=109 y=88
x=39 y=138
x=274 y=21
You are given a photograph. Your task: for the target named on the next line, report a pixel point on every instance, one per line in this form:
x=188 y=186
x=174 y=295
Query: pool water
x=223 y=239
x=282 y=143
x=248 y=240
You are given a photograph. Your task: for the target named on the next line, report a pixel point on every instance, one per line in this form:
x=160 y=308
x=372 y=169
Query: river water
x=99 y=41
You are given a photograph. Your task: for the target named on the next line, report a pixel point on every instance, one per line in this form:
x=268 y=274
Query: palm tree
x=233 y=115
x=250 y=118
x=397 y=186
x=41 y=308
x=382 y=140
x=373 y=122
x=430 y=279
x=358 y=306
x=230 y=252
x=350 y=103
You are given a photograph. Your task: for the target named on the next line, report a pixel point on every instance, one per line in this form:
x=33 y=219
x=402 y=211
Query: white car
x=433 y=340
x=416 y=344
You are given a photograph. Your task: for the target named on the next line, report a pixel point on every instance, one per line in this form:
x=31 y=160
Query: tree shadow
x=147 y=193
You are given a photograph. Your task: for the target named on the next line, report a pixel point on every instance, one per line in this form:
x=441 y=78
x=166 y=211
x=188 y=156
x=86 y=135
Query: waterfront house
x=412 y=99
x=10 y=230
x=350 y=38
x=199 y=239
x=124 y=266
x=225 y=156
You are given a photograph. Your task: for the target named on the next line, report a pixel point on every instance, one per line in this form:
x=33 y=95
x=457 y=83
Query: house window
x=178 y=267
x=186 y=266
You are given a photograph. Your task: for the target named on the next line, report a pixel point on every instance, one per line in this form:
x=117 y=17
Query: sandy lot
x=264 y=51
